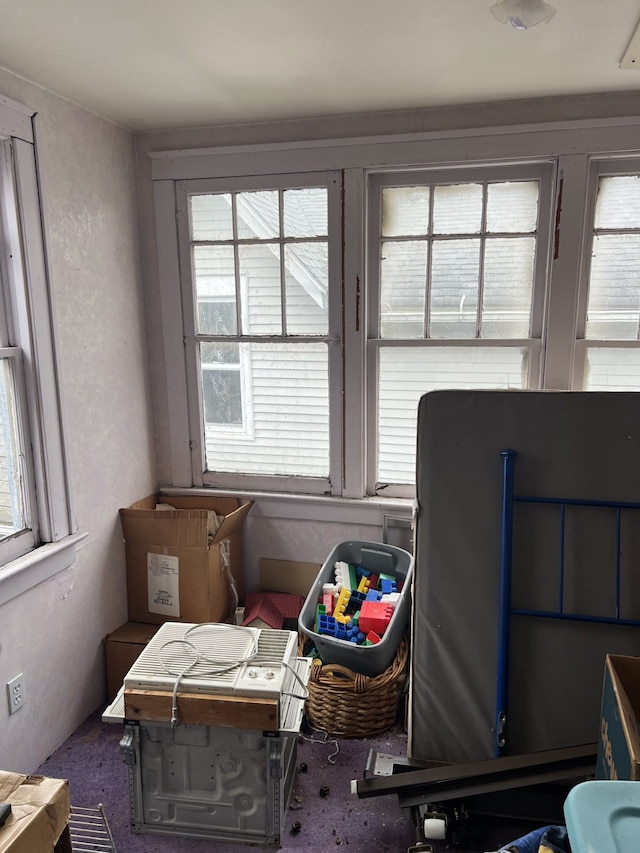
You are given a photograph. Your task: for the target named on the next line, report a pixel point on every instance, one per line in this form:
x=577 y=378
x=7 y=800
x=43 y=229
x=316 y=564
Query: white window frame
x=22 y=541
x=30 y=329
x=175 y=281
x=543 y=172
x=569 y=146
x=597 y=168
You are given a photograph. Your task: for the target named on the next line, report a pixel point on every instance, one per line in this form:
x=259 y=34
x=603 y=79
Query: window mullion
x=358 y=404
x=283 y=272
x=427 y=295
x=566 y=277
x=236 y=266
x=483 y=243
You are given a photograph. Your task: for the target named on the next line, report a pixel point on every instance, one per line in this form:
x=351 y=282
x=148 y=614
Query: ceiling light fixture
x=522 y=14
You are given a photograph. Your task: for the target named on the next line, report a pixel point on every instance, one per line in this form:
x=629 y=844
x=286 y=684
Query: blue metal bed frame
x=506 y=610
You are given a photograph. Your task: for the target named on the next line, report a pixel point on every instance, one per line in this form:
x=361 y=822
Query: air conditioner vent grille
x=220 y=659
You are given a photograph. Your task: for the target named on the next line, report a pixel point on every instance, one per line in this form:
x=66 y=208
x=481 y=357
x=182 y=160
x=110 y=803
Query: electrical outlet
x=15 y=693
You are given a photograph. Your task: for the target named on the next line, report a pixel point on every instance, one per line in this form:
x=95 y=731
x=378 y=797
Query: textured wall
x=53 y=633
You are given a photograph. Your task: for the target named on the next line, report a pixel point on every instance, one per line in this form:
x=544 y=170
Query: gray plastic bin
x=377 y=558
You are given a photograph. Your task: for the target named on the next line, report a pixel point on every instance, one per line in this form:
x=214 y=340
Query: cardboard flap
x=8 y=784
x=132 y=632
x=222 y=506
x=288 y=575
x=625 y=677
x=173 y=528
x=187 y=525
x=232 y=523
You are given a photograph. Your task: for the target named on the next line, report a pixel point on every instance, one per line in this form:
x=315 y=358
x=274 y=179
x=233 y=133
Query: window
x=456 y=282
x=609 y=345
x=263 y=344
x=375 y=272
x=18 y=521
x=34 y=501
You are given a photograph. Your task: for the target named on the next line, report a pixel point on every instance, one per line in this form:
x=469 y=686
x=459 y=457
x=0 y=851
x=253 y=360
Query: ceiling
x=161 y=64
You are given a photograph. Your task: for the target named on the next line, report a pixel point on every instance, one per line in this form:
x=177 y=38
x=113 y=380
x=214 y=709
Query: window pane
x=12 y=512
x=457 y=209
x=221 y=383
x=216 y=354
x=307 y=288
x=216 y=317
x=406 y=373
x=214 y=271
x=221 y=396
x=211 y=217
x=261 y=291
x=289 y=429
x=405 y=211
x=403 y=276
x=508 y=287
x=512 y=206
x=455 y=275
x=618 y=202
x=305 y=212
x=612 y=369
x=614 y=288
x=258 y=215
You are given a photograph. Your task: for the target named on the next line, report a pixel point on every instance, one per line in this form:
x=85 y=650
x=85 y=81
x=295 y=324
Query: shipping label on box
x=163 y=585
x=619 y=741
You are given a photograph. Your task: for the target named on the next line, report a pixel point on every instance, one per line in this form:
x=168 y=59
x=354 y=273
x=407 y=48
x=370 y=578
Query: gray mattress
x=569 y=445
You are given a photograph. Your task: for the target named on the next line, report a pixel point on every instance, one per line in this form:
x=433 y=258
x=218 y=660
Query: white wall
x=53 y=633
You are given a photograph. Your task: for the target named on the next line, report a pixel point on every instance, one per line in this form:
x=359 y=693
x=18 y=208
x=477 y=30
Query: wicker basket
x=347 y=704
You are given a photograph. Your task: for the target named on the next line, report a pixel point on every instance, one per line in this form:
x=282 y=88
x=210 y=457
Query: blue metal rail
x=506 y=610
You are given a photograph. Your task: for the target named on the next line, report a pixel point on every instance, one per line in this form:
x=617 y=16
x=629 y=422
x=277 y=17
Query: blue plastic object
x=603 y=815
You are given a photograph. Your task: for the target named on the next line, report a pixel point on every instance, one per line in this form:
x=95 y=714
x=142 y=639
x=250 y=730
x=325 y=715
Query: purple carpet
x=96 y=771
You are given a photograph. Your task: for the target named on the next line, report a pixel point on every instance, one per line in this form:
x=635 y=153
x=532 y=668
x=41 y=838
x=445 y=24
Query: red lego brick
x=374 y=616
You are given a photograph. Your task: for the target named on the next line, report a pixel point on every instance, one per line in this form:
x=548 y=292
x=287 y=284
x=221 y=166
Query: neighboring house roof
x=306 y=262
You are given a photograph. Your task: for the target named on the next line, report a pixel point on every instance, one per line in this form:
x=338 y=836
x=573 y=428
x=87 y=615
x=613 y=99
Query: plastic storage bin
x=377 y=558
x=603 y=815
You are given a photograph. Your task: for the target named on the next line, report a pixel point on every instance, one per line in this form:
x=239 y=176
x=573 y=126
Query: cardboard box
x=176 y=570
x=39 y=816
x=288 y=576
x=619 y=739
x=122 y=649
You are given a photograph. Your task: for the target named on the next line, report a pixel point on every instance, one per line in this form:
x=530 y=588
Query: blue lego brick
x=327 y=625
x=387 y=585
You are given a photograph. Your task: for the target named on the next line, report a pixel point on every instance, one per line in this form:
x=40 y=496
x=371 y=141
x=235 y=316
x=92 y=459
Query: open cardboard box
x=39 y=816
x=177 y=570
x=619 y=742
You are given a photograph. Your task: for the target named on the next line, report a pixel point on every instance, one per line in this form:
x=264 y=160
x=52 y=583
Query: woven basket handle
x=344 y=677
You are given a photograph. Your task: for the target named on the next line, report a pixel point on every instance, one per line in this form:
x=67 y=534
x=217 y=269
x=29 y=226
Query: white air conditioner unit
x=217 y=659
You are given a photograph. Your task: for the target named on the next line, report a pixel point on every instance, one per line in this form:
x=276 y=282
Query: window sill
x=37 y=566
x=314 y=507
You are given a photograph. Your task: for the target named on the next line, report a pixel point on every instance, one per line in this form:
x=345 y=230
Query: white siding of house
x=290 y=432
x=285 y=385
x=408 y=373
